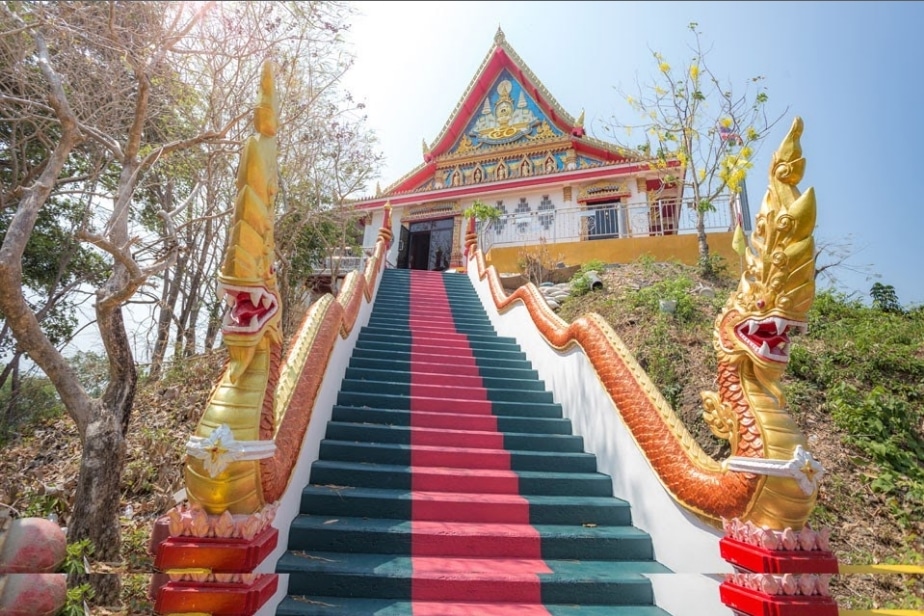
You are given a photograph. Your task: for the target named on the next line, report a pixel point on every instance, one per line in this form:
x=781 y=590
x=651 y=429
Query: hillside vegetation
x=855 y=386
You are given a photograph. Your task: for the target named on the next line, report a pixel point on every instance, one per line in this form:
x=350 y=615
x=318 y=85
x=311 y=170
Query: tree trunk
x=95 y=515
x=164 y=317
x=8 y=369
x=11 y=371
x=214 y=327
x=97 y=497
x=705 y=264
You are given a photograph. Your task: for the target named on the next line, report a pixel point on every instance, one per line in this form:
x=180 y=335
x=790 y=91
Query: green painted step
x=448 y=390
x=390 y=453
x=435 y=345
x=402 y=324
x=525 y=371
x=401 y=340
x=430 y=324
x=398 y=417
x=395 y=477
x=398 y=356
x=564 y=443
x=389 y=576
x=345 y=501
x=399 y=298
x=350 y=606
x=401 y=376
x=383 y=332
x=499 y=407
x=382 y=536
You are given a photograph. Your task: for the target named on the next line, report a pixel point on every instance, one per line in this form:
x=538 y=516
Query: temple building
x=509 y=144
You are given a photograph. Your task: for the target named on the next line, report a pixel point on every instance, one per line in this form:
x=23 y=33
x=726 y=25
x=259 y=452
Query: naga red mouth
x=251 y=308
x=769 y=338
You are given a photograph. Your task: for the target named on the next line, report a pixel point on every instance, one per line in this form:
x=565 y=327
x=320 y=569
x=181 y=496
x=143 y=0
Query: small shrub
x=580 y=282
x=677 y=288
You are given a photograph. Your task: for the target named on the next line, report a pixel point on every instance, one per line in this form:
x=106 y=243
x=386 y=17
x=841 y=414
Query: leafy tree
x=484 y=214
x=699 y=133
x=885 y=298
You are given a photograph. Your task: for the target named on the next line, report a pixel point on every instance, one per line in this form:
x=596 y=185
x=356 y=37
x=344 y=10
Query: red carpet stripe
x=459 y=551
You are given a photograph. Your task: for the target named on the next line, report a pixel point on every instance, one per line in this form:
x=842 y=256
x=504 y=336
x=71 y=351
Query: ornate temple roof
x=506 y=125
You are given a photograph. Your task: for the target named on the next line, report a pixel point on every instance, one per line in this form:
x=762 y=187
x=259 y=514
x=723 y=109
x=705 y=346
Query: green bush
x=34 y=402
x=677 y=288
x=580 y=283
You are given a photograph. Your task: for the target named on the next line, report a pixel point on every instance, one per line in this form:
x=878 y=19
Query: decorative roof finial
x=499 y=38
x=427 y=154
x=578 y=129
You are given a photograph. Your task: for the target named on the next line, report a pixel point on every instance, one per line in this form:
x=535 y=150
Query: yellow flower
x=694 y=72
x=725 y=122
x=665 y=67
x=702 y=175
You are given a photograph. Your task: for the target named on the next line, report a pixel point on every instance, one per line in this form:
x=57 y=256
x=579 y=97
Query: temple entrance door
x=419 y=250
x=430 y=244
x=403 y=241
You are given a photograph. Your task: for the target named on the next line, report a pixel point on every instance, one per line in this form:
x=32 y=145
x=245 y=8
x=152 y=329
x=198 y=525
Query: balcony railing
x=619 y=220
x=342 y=265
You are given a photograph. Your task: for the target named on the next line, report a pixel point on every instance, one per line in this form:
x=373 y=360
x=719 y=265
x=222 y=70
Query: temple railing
x=613 y=220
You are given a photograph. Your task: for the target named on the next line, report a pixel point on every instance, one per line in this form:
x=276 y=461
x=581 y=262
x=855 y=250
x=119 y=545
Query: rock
x=32 y=594
x=32 y=545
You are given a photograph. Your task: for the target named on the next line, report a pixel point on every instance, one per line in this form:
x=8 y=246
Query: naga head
x=247 y=279
x=777 y=286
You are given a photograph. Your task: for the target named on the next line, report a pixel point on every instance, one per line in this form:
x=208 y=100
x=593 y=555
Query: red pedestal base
x=218 y=555
x=213 y=598
x=761 y=560
x=755 y=603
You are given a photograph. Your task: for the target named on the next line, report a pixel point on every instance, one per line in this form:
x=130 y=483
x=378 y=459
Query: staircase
x=449 y=484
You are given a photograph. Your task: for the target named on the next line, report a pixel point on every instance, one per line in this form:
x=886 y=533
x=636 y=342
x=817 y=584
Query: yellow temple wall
x=618 y=250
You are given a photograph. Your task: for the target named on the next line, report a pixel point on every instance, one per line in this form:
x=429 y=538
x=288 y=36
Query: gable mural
x=508 y=114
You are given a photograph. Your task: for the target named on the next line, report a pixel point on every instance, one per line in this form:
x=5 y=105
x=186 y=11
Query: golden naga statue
x=770 y=479
x=752 y=344
x=248 y=440
x=223 y=461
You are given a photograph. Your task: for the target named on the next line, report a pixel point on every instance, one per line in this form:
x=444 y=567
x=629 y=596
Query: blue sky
x=851 y=70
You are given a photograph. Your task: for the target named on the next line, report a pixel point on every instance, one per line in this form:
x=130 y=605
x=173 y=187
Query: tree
x=94 y=79
x=698 y=132
x=885 y=298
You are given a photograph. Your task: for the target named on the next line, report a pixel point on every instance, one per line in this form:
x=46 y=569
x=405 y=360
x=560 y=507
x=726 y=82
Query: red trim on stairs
x=465 y=544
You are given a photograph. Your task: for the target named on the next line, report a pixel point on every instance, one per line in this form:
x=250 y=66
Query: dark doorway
x=429 y=244
x=419 y=250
